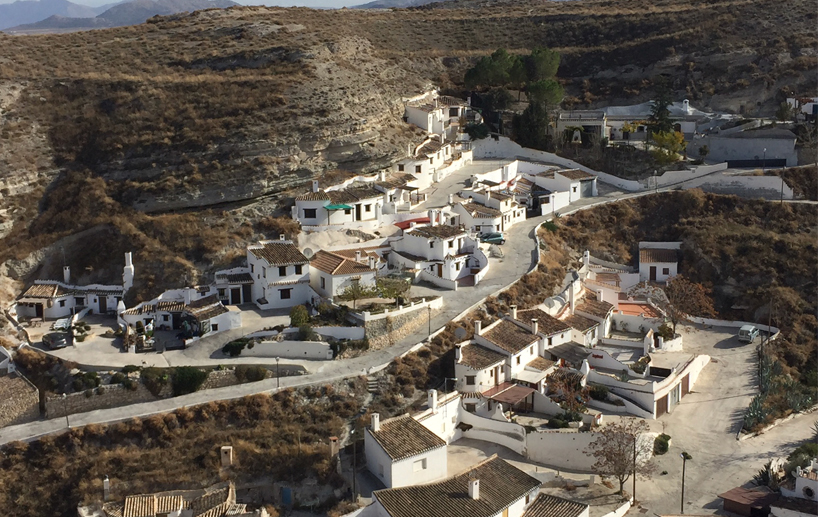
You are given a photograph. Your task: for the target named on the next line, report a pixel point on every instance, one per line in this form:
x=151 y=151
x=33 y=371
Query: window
x=431 y=245
x=81 y=301
x=214 y=327
x=165 y=317
x=347 y=211
x=665 y=270
x=808 y=492
x=222 y=293
x=432 y=160
x=470 y=380
x=310 y=213
x=323 y=283
x=417 y=168
x=491 y=373
x=286 y=294
x=400 y=167
x=367 y=208
x=574 y=189
x=451 y=244
x=457 y=266
x=299 y=269
x=264 y=271
x=252 y=268
x=527 y=498
x=391 y=198
x=282 y=270
x=531 y=350
x=518 y=359
x=62 y=303
x=419 y=465
x=471 y=408
x=550 y=341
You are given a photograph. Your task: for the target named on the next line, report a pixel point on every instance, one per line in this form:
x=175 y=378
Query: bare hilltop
x=179 y=138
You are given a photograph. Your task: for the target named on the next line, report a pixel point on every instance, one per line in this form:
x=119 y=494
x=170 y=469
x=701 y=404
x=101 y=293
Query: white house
x=591 y=122
x=426 y=159
x=443 y=254
x=685 y=117
x=331 y=273
x=492 y=488
x=804 y=107
x=234 y=286
x=762 y=147
x=352 y=204
x=197 y=311
x=546 y=505
x=436 y=114
x=401 y=452
x=489 y=210
x=281 y=274
x=578 y=184
x=51 y=299
x=658 y=261
x=800 y=494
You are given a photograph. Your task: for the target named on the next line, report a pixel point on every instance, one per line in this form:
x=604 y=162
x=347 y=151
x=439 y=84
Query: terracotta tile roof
x=236 y=278
x=572 y=352
x=576 y=174
x=403 y=437
x=140 y=506
x=337 y=265
x=446 y=100
x=278 y=253
x=540 y=363
x=396 y=180
x=565 y=374
x=595 y=307
x=758 y=496
x=430 y=147
x=438 y=231
x=215 y=499
x=350 y=252
x=169 y=503
x=658 y=255
x=170 y=306
x=479 y=357
x=44 y=291
x=481 y=211
x=580 y=323
x=501 y=485
x=523 y=186
x=113 y=509
x=552 y=506
x=502 y=196
x=509 y=336
x=354 y=194
x=546 y=324
x=313 y=196
x=150 y=308
x=206 y=308
x=509 y=393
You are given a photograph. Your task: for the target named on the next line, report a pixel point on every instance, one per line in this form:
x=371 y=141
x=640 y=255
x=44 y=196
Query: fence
x=435 y=303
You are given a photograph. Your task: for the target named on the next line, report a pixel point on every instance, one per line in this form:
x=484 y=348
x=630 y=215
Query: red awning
x=404 y=225
x=512 y=394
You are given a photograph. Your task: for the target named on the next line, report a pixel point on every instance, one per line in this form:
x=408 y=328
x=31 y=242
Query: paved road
x=705 y=425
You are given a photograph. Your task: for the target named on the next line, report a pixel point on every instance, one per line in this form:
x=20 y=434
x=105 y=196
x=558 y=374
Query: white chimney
x=432 y=400
x=478 y=327
x=227 y=455
x=585 y=369
x=432 y=217
x=534 y=326
x=451 y=199
x=372 y=262
x=571 y=297
x=128 y=272
x=514 y=312
x=66 y=274
x=412 y=224
x=488 y=194
x=106 y=488
x=376 y=422
x=586 y=258
x=382 y=176
x=315 y=185
x=282 y=237
x=357 y=255
x=600 y=295
x=458 y=353
x=474 y=488
x=686 y=106
x=187 y=295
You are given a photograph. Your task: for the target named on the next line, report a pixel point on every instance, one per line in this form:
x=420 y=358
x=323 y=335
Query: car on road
x=56 y=340
x=747 y=333
x=492 y=238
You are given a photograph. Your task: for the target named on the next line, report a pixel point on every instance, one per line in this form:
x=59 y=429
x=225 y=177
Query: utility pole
x=430 y=320
x=685 y=456
x=635 y=437
x=354 y=466
x=278 y=376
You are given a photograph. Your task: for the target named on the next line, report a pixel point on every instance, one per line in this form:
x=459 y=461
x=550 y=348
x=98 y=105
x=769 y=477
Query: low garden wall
x=288 y=349
x=20 y=401
x=509 y=435
x=563 y=449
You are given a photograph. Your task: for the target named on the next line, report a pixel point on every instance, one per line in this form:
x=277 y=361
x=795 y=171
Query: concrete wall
x=510 y=436
x=562 y=449
x=387 y=329
x=672 y=177
x=20 y=400
x=726 y=149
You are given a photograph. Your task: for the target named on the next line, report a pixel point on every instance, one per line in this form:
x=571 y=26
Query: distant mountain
x=29 y=11
x=126 y=13
x=389 y=4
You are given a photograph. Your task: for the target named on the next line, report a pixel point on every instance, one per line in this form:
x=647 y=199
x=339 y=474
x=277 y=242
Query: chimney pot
x=282 y=237
x=600 y=295
x=514 y=312
x=458 y=353
x=315 y=185
x=376 y=422
x=66 y=274
x=534 y=326
x=474 y=488
x=106 y=488
x=432 y=400
x=357 y=255
x=478 y=327
x=227 y=456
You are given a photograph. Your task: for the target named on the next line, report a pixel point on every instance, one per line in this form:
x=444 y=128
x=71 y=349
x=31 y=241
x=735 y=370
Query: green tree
x=395 y=288
x=518 y=75
x=659 y=120
x=497 y=99
x=357 y=291
x=784 y=112
x=299 y=316
x=668 y=146
x=704 y=151
x=542 y=64
x=531 y=127
x=545 y=91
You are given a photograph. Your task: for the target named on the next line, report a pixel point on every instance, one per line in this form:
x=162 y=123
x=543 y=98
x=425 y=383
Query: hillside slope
x=29 y=11
x=191 y=113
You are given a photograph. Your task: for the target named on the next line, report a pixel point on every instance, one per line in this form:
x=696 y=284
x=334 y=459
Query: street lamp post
x=655 y=181
x=354 y=466
x=764 y=162
x=685 y=456
x=65 y=409
x=429 y=307
x=634 y=468
x=278 y=376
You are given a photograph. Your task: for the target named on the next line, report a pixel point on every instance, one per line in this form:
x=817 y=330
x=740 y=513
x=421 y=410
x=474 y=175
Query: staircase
x=373 y=384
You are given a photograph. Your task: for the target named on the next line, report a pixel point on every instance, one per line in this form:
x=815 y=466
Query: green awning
x=338 y=207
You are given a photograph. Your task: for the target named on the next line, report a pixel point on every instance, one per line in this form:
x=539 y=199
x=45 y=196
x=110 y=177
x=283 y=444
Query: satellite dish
x=460 y=333
x=308 y=253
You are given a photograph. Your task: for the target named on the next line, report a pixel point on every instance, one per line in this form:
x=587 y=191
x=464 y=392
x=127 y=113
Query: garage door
x=686 y=385
x=586 y=188
x=661 y=406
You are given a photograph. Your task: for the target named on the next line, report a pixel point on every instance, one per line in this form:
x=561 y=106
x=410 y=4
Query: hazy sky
x=318 y=4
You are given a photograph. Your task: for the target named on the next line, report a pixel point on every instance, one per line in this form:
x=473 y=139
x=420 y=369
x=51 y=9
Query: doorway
x=246 y=293
x=38 y=308
x=357 y=212
x=103 y=305
x=440 y=270
x=652 y=273
x=235 y=295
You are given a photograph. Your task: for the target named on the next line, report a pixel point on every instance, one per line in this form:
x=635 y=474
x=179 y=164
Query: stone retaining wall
x=387 y=331
x=20 y=400
x=115 y=395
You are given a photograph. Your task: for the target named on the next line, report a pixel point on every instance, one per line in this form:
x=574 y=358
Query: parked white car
x=747 y=333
